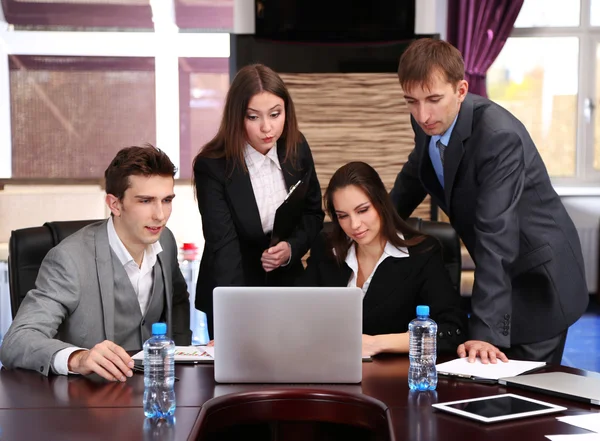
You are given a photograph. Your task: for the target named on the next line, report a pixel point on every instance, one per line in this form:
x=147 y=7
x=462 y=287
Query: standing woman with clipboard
x=241 y=177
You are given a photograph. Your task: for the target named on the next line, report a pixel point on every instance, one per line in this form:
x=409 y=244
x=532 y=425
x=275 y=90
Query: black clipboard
x=289 y=213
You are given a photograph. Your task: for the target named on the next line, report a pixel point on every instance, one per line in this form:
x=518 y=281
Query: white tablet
x=498 y=408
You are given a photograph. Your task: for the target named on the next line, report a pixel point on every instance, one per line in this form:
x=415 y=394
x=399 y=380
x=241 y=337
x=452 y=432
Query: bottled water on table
x=159 y=373
x=422 y=332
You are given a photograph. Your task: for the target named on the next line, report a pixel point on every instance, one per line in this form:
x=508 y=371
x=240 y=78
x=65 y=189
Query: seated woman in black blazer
x=398 y=268
x=241 y=176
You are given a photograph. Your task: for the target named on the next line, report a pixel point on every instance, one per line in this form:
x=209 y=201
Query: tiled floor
x=582 y=349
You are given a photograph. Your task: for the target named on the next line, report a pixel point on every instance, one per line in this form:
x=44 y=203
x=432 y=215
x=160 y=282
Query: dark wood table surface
x=76 y=408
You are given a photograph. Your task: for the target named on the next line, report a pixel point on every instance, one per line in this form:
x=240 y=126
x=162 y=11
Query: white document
x=575 y=437
x=188 y=354
x=460 y=367
x=589 y=421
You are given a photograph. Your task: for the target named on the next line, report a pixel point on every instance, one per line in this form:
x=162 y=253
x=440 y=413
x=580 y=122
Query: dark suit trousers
x=550 y=351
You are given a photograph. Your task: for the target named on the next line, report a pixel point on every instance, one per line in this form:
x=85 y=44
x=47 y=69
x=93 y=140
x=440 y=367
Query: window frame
x=588 y=35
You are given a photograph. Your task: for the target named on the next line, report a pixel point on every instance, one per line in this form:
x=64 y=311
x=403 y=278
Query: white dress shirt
x=388 y=251
x=141 y=278
x=267 y=181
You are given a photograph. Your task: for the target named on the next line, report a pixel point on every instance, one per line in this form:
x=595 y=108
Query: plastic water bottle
x=162 y=429
x=159 y=373
x=422 y=332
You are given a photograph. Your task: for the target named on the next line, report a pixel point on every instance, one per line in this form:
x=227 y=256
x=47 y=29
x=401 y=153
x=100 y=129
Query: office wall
x=354 y=117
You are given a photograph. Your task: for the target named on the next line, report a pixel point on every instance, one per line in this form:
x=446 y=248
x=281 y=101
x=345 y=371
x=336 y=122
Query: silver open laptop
x=287 y=335
x=562 y=384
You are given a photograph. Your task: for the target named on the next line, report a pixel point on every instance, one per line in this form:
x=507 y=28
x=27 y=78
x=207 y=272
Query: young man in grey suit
x=99 y=291
x=481 y=167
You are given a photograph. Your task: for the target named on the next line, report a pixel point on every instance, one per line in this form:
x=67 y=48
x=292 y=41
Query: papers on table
x=589 y=421
x=188 y=354
x=461 y=368
x=575 y=437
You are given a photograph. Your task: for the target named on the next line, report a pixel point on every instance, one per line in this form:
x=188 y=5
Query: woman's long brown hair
x=363 y=176
x=230 y=140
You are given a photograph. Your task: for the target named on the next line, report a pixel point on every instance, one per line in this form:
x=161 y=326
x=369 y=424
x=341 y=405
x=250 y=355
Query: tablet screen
x=499 y=407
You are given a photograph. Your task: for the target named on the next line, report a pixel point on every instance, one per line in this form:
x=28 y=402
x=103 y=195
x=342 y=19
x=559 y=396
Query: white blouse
x=267 y=181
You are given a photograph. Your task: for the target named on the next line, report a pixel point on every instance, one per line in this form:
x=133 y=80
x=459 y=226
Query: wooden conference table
x=62 y=408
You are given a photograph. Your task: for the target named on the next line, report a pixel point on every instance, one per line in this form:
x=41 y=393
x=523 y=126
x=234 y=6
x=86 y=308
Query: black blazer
x=397 y=287
x=529 y=278
x=234 y=239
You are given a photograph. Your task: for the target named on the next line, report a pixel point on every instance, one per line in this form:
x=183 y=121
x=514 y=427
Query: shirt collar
x=150 y=253
x=255 y=159
x=445 y=138
x=388 y=251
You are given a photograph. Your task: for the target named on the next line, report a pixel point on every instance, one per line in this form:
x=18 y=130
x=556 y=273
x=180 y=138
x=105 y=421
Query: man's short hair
x=146 y=160
x=426 y=57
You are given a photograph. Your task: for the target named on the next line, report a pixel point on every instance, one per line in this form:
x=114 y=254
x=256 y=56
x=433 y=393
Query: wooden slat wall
x=354 y=117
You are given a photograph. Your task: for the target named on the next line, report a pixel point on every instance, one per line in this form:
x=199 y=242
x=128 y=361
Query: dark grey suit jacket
x=529 y=278
x=62 y=312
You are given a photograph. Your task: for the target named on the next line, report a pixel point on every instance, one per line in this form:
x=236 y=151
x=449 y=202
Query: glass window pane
x=597 y=113
x=90 y=2
x=50 y=14
x=536 y=13
x=204 y=14
x=203 y=85
x=536 y=79
x=70 y=115
x=595 y=12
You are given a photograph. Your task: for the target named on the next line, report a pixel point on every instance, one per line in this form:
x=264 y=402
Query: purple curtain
x=479 y=29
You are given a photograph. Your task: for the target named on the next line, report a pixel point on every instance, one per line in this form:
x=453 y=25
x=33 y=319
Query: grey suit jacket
x=529 y=278
x=63 y=310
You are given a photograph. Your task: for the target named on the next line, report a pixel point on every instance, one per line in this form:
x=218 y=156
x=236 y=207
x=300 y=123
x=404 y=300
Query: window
x=203 y=85
x=76 y=97
x=548 y=76
x=70 y=115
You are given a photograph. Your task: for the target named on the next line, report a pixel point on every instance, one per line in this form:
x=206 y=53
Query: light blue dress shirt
x=434 y=152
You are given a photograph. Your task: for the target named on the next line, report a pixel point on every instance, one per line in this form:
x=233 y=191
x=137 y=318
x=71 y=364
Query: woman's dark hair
x=230 y=140
x=363 y=176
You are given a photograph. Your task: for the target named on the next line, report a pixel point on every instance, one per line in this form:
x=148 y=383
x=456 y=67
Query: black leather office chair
x=27 y=248
x=450 y=242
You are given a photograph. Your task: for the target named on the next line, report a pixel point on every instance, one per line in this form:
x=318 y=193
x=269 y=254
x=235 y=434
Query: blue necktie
x=441 y=147
x=436 y=155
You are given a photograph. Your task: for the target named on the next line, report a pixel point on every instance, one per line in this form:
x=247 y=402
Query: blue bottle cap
x=422 y=310
x=159 y=329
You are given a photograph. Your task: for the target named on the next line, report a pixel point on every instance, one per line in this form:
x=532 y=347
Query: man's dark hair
x=425 y=58
x=136 y=161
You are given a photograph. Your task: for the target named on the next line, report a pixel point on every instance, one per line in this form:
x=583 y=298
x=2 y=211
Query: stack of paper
x=461 y=368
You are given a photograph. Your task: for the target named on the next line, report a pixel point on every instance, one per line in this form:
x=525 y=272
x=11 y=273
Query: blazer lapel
x=339 y=277
x=244 y=202
x=381 y=286
x=455 y=150
x=106 y=278
x=291 y=174
x=166 y=275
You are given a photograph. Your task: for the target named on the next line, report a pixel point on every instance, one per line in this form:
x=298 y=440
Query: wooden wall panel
x=354 y=117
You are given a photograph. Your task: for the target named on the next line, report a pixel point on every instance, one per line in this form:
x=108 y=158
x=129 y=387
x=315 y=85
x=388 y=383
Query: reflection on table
x=81 y=408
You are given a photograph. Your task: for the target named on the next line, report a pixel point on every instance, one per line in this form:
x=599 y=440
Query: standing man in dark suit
x=480 y=166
